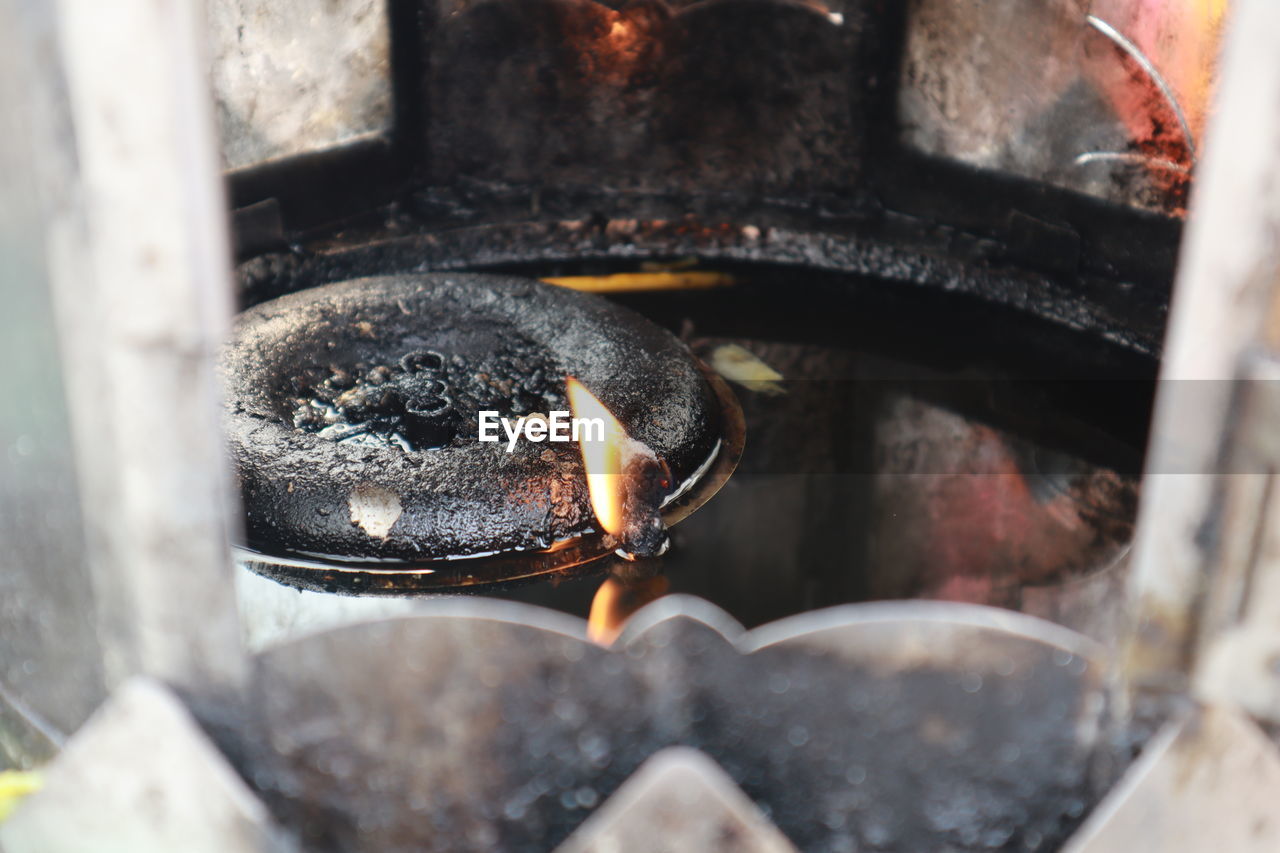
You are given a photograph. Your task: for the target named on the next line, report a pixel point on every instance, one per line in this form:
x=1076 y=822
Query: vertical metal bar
x=141 y=276
x=50 y=660
x=1225 y=283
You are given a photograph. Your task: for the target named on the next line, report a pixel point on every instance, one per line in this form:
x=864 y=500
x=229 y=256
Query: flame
x=602 y=458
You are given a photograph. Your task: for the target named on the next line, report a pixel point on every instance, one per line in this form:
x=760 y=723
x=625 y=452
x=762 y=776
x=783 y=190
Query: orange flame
x=601 y=456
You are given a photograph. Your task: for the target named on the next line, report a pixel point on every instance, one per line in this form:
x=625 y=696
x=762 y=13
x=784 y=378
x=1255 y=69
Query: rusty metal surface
x=1103 y=98
x=678 y=800
x=1208 y=781
x=571 y=92
x=298 y=76
x=915 y=726
x=141 y=777
x=504 y=343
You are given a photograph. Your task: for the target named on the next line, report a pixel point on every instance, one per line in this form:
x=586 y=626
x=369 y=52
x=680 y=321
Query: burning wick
x=625 y=479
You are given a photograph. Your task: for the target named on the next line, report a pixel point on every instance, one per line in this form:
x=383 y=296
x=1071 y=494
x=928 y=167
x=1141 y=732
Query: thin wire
x=1152 y=72
x=1129 y=157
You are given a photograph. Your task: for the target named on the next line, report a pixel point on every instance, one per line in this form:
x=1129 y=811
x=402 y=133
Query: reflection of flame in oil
x=601 y=456
x=603 y=624
x=614 y=603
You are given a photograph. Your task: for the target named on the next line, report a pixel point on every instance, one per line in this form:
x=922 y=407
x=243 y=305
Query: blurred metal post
x=133 y=221
x=1204 y=499
x=50 y=659
x=142 y=320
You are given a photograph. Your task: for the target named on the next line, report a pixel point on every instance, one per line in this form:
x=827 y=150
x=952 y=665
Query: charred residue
x=372 y=387
x=426 y=400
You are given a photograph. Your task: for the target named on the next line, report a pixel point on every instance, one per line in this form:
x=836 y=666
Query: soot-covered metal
x=352 y=414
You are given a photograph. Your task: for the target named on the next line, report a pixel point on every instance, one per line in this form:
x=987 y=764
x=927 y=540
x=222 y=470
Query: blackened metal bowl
x=352 y=410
